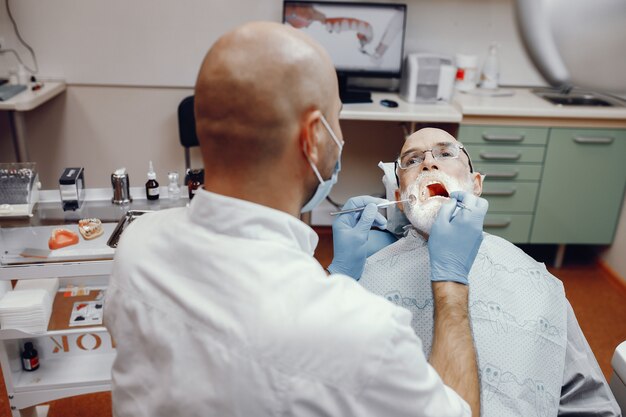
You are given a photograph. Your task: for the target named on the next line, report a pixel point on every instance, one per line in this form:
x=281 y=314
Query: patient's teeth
x=345 y=25
x=329 y=27
x=354 y=25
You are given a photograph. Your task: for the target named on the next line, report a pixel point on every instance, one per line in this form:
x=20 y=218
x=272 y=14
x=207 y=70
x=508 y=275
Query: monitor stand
x=351 y=96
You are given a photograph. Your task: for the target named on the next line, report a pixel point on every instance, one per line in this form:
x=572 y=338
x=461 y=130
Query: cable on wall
x=34 y=70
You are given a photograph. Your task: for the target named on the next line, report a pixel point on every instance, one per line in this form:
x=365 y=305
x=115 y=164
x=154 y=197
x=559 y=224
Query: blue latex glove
x=350 y=236
x=379 y=239
x=455 y=237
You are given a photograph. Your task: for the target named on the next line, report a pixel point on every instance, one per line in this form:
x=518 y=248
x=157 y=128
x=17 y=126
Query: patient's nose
x=429 y=162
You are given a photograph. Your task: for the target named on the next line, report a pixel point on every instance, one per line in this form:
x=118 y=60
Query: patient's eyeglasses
x=441 y=152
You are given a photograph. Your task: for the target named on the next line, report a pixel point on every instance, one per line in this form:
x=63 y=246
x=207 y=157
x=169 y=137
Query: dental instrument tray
x=19 y=189
x=122 y=224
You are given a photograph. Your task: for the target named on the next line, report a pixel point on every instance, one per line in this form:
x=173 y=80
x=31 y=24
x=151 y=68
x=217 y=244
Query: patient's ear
x=478 y=183
x=398 y=198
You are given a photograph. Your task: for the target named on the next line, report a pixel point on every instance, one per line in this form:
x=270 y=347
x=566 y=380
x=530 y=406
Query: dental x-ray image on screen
x=360 y=37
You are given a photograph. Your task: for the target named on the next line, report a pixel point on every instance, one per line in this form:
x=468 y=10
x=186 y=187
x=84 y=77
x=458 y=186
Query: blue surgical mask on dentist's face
x=324 y=187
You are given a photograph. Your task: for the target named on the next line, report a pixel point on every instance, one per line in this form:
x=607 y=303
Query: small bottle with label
x=152 y=186
x=30 y=358
x=195 y=178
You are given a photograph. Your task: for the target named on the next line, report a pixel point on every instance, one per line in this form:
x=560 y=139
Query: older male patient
x=532 y=355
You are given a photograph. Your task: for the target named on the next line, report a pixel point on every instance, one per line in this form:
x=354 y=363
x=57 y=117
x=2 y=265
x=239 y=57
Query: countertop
x=29 y=99
x=523 y=103
x=405 y=112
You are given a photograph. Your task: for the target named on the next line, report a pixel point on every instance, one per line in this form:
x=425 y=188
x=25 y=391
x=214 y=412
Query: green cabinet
x=512 y=227
x=550 y=185
x=511 y=158
x=582 y=187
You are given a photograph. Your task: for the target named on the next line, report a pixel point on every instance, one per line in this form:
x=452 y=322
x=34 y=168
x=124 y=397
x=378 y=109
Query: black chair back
x=187 y=127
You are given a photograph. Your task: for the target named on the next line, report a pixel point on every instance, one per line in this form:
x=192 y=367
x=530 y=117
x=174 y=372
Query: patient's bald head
x=253 y=87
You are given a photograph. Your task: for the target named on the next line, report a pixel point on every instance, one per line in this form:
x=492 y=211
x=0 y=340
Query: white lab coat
x=220 y=309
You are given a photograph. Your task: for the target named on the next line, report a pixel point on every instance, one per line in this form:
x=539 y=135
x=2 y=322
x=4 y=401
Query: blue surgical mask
x=324 y=187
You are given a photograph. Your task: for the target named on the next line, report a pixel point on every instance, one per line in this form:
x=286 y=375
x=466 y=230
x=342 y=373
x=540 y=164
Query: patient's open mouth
x=437 y=189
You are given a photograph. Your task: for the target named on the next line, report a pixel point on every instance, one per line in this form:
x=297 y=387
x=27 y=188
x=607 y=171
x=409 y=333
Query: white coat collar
x=240 y=218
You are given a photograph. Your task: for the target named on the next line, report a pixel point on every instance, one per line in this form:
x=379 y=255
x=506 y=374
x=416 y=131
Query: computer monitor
x=363 y=39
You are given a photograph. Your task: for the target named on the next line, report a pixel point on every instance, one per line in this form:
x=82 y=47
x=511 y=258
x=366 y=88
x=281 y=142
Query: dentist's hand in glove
x=455 y=237
x=350 y=235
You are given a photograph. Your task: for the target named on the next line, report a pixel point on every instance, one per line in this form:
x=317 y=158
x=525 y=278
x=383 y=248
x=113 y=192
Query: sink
x=579 y=98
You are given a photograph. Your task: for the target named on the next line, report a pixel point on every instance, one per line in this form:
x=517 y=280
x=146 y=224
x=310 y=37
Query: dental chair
x=187 y=128
x=618 y=379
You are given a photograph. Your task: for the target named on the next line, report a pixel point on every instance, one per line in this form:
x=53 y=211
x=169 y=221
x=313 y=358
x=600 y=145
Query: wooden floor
x=598 y=300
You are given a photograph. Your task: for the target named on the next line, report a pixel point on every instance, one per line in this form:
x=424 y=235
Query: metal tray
x=122 y=224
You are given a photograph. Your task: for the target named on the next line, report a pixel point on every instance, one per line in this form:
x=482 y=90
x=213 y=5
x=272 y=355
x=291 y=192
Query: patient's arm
x=453 y=354
x=584 y=390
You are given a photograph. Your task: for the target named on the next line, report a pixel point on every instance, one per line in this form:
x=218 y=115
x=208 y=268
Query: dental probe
x=411 y=200
x=380 y=205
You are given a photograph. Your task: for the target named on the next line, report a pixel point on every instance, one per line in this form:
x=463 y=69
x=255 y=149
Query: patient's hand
x=350 y=236
x=456 y=236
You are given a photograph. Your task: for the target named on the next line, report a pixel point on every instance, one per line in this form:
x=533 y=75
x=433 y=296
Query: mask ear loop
x=315 y=170
x=331 y=133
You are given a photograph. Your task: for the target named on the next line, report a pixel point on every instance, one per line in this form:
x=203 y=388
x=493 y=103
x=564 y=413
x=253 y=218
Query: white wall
x=161 y=43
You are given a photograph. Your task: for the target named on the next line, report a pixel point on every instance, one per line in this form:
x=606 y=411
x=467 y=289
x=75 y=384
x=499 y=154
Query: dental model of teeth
x=364 y=31
x=90 y=228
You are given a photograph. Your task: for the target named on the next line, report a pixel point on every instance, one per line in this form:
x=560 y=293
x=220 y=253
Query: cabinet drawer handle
x=500 y=193
x=596 y=140
x=499 y=175
x=502 y=138
x=501 y=156
x=498 y=223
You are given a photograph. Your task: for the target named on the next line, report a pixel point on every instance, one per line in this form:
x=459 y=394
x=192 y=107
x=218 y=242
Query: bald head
x=423 y=141
x=427 y=135
x=252 y=89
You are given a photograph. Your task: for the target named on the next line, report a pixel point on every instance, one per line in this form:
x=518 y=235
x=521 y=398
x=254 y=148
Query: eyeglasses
x=441 y=152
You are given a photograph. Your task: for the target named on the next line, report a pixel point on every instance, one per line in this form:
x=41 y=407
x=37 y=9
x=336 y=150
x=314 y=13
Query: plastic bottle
x=152 y=186
x=173 y=189
x=22 y=75
x=30 y=358
x=490 y=76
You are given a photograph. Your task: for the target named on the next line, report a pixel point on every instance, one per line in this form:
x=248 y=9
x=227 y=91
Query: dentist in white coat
x=220 y=309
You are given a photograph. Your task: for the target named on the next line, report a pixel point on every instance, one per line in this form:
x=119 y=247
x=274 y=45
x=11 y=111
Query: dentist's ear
x=309 y=136
x=398 y=198
x=478 y=183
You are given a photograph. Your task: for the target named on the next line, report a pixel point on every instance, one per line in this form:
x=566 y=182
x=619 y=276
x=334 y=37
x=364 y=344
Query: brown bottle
x=30 y=358
x=195 y=178
x=152 y=186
